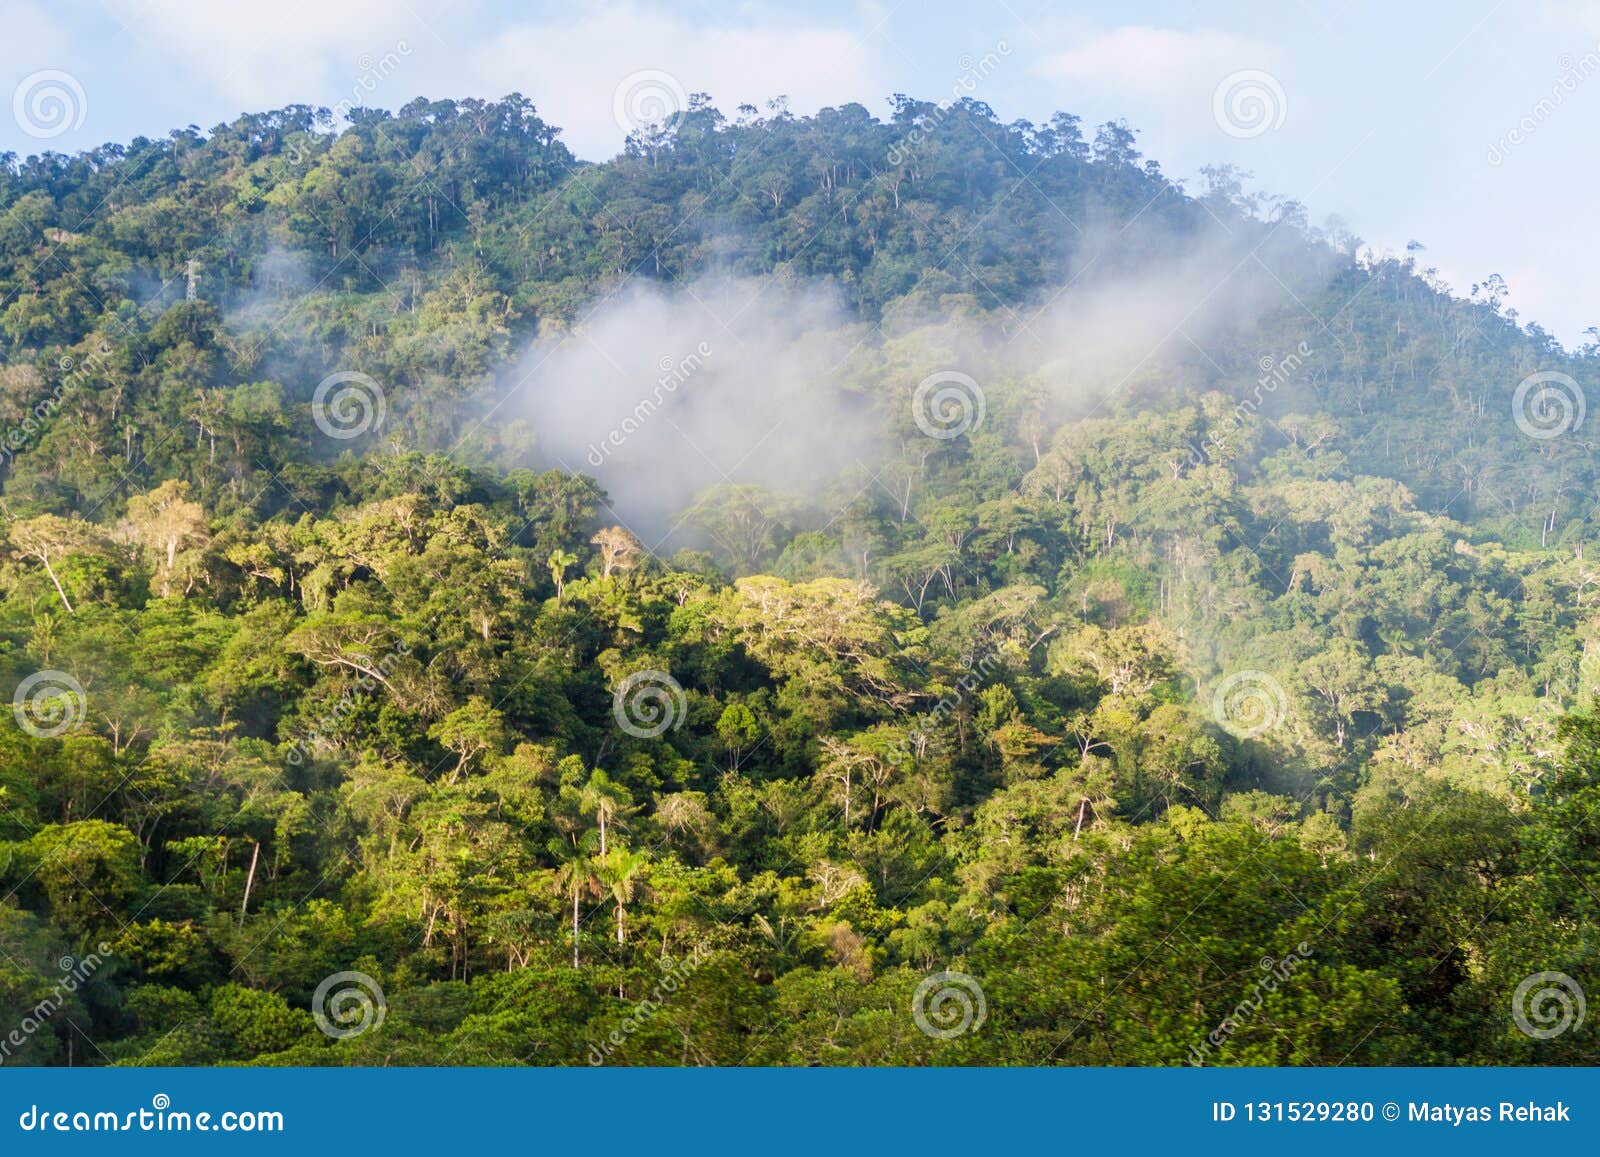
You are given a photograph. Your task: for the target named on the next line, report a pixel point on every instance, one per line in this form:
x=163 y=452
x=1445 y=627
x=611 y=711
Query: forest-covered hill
x=810 y=590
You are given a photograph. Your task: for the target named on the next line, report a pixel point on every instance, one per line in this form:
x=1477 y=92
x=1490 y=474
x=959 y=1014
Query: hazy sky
x=1465 y=125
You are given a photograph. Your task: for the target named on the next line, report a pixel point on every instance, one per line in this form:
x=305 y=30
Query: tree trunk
x=64 y=600
x=250 y=879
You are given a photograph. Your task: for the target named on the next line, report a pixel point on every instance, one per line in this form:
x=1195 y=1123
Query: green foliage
x=1122 y=714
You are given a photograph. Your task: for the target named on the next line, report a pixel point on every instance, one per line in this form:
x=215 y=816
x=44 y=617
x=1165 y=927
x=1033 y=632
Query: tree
x=560 y=562
x=49 y=539
x=470 y=731
x=619 y=550
x=1339 y=682
x=617 y=871
x=576 y=877
x=88 y=871
x=164 y=522
x=956 y=701
x=737 y=729
x=609 y=802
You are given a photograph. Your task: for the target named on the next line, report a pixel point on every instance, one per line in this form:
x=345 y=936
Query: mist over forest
x=809 y=590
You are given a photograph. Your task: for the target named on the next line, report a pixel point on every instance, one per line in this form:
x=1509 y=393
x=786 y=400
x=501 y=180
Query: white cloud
x=1585 y=14
x=44 y=102
x=32 y=41
x=255 y=54
x=571 y=71
x=258 y=55
x=1158 y=64
x=1193 y=97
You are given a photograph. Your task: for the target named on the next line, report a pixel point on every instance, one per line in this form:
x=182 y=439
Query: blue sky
x=1467 y=126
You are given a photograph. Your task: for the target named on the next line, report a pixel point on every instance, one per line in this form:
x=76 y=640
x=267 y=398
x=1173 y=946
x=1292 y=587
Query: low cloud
x=663 y=392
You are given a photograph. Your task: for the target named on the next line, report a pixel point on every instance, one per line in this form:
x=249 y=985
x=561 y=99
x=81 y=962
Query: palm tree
x=559 y=562
x=617 y=872
x=575 y=878
x=606 y=800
